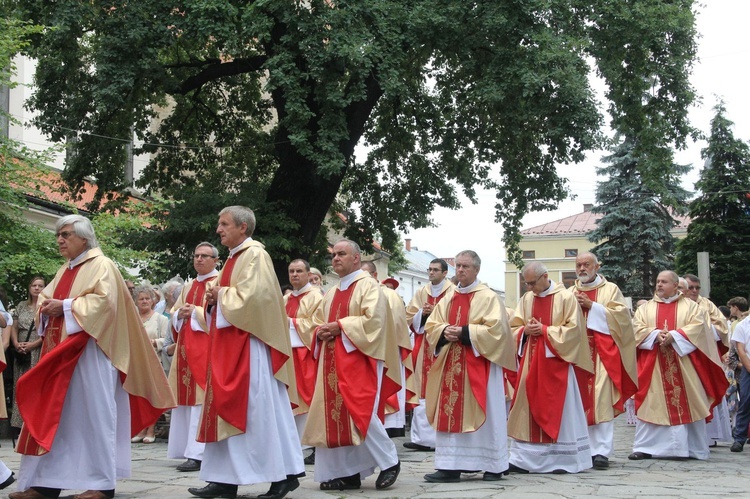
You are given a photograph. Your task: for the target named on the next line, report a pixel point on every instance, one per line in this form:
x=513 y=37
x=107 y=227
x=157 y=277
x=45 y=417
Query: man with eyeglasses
x=300 y=305
x=547 y=422
x=246 y=420
x=680 y=375
x=610 y=335
x=187 y=376
x=719 y=428
x=96 y=379
x=417 y=313
x=465 y=398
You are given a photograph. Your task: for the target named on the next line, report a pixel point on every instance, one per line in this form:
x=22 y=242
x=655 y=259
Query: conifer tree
x=635 y=242
x=721 y=213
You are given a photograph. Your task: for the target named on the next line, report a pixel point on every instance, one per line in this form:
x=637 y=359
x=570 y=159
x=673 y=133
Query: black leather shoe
x=512 y=468
x=737 y=447
x=443 y=476
x=423 y=448
x=280 y=489
x=215 y=489
x=388 y=477
x=639 y=456
x=311 y=458
x=190 y=465
x=600 y=462
x=493 y=477
x=9 y=481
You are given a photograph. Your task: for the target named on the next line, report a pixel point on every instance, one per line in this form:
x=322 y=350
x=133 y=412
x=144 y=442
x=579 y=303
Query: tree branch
x=220 y=70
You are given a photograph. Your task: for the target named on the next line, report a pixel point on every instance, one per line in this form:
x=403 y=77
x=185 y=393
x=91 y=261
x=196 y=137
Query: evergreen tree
x=721 y=213
x=635 y=242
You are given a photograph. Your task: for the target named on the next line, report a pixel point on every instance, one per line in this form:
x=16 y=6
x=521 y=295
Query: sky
x=723 y=52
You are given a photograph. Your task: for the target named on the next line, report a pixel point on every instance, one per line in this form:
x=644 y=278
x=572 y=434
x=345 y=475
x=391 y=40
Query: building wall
x=550 y=250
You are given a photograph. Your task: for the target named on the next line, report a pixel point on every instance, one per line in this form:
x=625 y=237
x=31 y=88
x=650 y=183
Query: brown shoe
x=27 y=494
x=91 y=494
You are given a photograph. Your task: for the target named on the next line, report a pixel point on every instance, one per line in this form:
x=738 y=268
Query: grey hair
x=369 y=266
x=692 y=278
x=589 y=254
x=144 y=288
x=241 y=215
x=473 y=255
x=317 y=272
x=82 y=228
x=214 y=250
x=538 y=268
x=172 y=289
x=672 y=274
x=354 y=246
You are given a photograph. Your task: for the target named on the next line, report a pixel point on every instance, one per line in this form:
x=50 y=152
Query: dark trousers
x=742 y=419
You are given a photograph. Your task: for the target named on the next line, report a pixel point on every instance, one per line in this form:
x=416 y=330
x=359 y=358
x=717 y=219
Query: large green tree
x=635 y=242
x=720 y=215
x=263 y=103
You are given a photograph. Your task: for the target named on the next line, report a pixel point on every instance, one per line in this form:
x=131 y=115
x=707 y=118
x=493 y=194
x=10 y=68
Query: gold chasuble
x=103 y=308
x=542 y=380
x=187 y=376
x=674 y=390
x=347 y=382
x=300 y=309
x=397 y=323
x=717 y=319
x=422 y=359
x=615 y=374
x=456 y=392
x=252 y=304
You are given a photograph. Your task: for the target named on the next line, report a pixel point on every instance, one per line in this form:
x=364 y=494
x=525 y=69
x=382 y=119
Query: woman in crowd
x=157 y=327
x=26 y=342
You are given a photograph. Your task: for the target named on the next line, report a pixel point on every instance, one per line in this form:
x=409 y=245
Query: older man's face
x=665 y=286
x=345 y=261
x=466 y=271
x=69 y=243
x=586 y=268
x=693 y=289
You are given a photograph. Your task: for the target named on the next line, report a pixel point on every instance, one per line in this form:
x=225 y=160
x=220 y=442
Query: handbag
x=24 y=359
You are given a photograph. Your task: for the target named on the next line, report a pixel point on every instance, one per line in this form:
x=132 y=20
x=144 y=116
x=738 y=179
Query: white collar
x=234 y=250
x=469 y=288
x=671 y=298
x=436 y=289
x=597 y=280
x=304 y=289
x=548 y=290
x=348 y=279
x=77 y=260
x=203 y=277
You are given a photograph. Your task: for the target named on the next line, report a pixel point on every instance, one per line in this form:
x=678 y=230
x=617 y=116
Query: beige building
x=557 y=244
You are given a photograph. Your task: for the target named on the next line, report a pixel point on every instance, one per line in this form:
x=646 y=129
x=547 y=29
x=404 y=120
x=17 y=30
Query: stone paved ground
x=723 y=475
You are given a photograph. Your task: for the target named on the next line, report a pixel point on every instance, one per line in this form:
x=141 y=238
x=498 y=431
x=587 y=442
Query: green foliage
x=265 y=101
x=721 y=213
x=634 y=237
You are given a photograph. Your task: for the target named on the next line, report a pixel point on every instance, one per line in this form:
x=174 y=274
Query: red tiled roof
x=580 y=224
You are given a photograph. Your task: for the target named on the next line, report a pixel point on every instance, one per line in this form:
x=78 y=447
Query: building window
x=528 y=254
x=571 y=253
x=568 y=278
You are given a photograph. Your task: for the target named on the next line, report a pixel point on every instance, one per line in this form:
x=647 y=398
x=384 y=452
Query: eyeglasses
x=65 y=234
x=694 y=288
x=198 y=256
x=534 y=282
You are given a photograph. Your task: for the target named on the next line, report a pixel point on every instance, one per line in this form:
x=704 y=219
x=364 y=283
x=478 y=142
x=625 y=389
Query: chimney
x=587 y=207
x=407 y=243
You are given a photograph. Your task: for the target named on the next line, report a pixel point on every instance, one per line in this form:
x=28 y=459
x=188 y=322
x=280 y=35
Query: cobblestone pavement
x=723 y=475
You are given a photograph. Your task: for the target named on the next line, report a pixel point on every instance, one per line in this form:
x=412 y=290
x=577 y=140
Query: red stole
x=421 y=345
x=227 y=376
x=547 y=379
x=676 y=401
x=305 y=366
x=460 y=362
x=605 y=347
x=192 y=350
x=350 y=381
